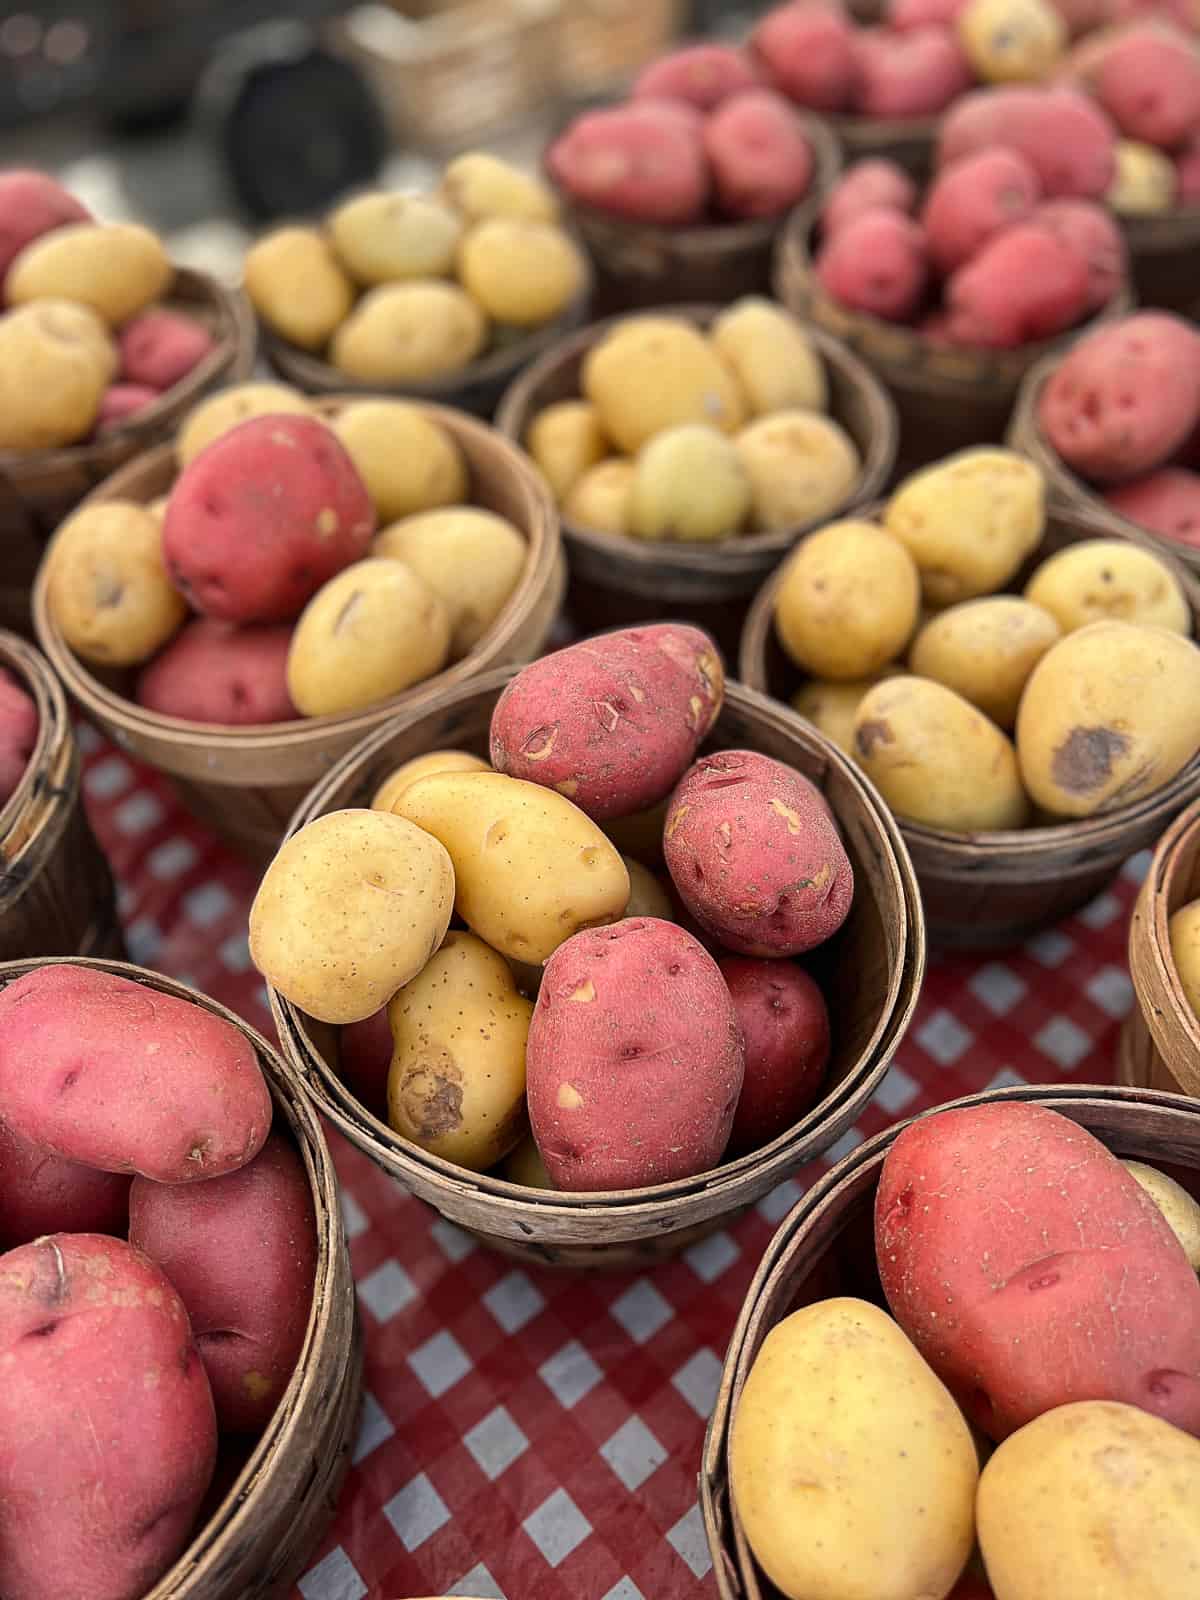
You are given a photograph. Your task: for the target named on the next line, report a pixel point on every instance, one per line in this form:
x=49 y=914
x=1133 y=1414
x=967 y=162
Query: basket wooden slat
x=1160 y=1047
x=871 y=973
x=1135 y=1124
x=259 y=1539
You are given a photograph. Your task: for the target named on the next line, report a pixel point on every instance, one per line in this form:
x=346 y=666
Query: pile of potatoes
x=1026 y=1423
x=401 y=289
x=160 y=1251
x=299 y=567
x=640 y=1026
x=977 y=710
x=695 y=436
x=83 y=345
x=19 y=724
x=1122 y=410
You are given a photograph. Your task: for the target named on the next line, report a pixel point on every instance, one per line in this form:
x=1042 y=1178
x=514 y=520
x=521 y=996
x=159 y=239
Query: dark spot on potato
x=1161 y=1384
x=219 y=1336
x=43 y=1330
x=630 y=1052
x=1084 y=760
x=434 y=1102
x=872 y=734
x=674 y=969
x=69 y=1082
x=1047 y=1280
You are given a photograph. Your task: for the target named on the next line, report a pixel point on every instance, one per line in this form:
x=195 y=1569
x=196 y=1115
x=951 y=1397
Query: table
x=533 y=1435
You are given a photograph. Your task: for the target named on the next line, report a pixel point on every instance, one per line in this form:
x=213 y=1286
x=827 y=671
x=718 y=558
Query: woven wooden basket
x=244 y=782
x=39 y=487
x=1160 y=1044
x=871 y=972
x=1135 y=1124
x=602 y=43
x=258 y=1540
x=1163 y=252
x=908 y=141
x=991 y=890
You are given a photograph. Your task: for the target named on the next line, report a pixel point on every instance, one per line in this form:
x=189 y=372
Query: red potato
x=761 y=159
x=1031 y=1270
x=106 y=1418
x=1066 y=138
x=122 y=401
x=701 y=75
x=31 y=204
x=914 y=74
x=242 y=1253
x=103 y=1071
x=807 y=52
x=213 y=672
x=756 y=856
x=1166 y=502
x=258 y=521
x=41 y=1193
x=785 y=1031
x=874 y=185
x=643 y=161
x=1024 y=285
x=364 y=1059
x=18 y=733
x=1187 y=173
x=634 y=1058
x=876 y=263
x=1088 y=230
x=1082 y=16
x=159 y=348
x=972 y=200
x=1148 y=80
x=612 y=722
x=905 y=15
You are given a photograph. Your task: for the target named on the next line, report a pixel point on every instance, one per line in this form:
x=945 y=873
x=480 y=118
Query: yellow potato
x=1180 y=1211
x=689 y=486
x=647 y=897
x=1100 y=578
x=116 y=269
x=1184 y=928
x=802 y=467
x=847 y=601
x=602 y=498
x=471 y=559
x=158 y=508
x=386 y=238
x=969 y=521
x=456 y=1085
x=655 y=372
x=407 y=461
x=774 y=359
x=831 y=707
x=565 y=440
x=481 y=185
x=229 y=407
x=525 y=1166
x=531 y=869
x=410 y=333
x=351 y=908
x=936 y=760
x=1092 y=1501
x=852 y=1470
x=394 y=785
x=370 y=632
x=1011 y=41
x=56 y=360
x=1110 y=714
x=1144 y=183
x=297 y=286
x=107 y=587
x=985 y=650
x=523 y=274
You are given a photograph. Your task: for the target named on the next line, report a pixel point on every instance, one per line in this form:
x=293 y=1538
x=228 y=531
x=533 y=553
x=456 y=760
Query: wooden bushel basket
x=1160 y=1042
x=244 y=782
x=1136 y=1125
x=871 y=972
x=1163 y=252
x=258 y=1540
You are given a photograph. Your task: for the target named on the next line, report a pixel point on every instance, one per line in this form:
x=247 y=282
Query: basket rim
x=35 y=675
x=1149 y=932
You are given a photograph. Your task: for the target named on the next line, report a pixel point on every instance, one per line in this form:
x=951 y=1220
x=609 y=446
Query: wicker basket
x=992 y=890
x=602 y=43
x=871 y=971
x=38 y=488
x=258 y=1540
x=1135 y=1124
x=908 y=141
x=244 y=782
x=1160 y=1045
x=1163 y=252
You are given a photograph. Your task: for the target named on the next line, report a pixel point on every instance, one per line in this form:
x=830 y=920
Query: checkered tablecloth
x=534 y=1435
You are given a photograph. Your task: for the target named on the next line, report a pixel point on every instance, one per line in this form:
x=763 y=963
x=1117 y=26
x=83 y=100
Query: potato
x=1061 y=132
x=385 y=238
x=1031 y=1270
x=229 y=407
x=1011 y=41
x=1184 y=928
x=530 y=868
x=647 y=897
x=785 y=1030
x=1144 y=182
x=643 y=161
x=802 y=468
x=870 y=185
x=970 y=201
x=759 y=154
x=350 y=910
x=808 y=53
x=116 y=269
x=689 y=485
x=701 y=75
x=211 y=672
x=297 y=286
x=1110 y=714
x=1097 y=579
x=847 y=601
x=1148 y=80
x=1025 y=284
x=457 y=1080
x=755 y=855
x=525 y=1166
x=774 y=359
x=121 y=402
x=985 y=650
x=565 y=440
x=852 y=1470
x=364 y=1059
x=41 y=1194
x=105 y=1072
x=936 y=759
x=1166 y=502
x=1090 y=231
x=1128 y=1528
x=1180 y=1211
x=480 y=185
x=656 y=372
x=876 y=263
x=831 y=706
x=521 y=273
x=55 y=361
x=471 y=559
x=159 y=348
x=394 y=785
x=106 y=585
x=370 y=633
x=18 y=735
x=613 y=722
x=635 y=1061
x=32 y=204
x=109 y=1420
x=242 y=1253
x=969 y=521
x=602 y=497
x=410 y=333
x=408 y=462
x=912 y=74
